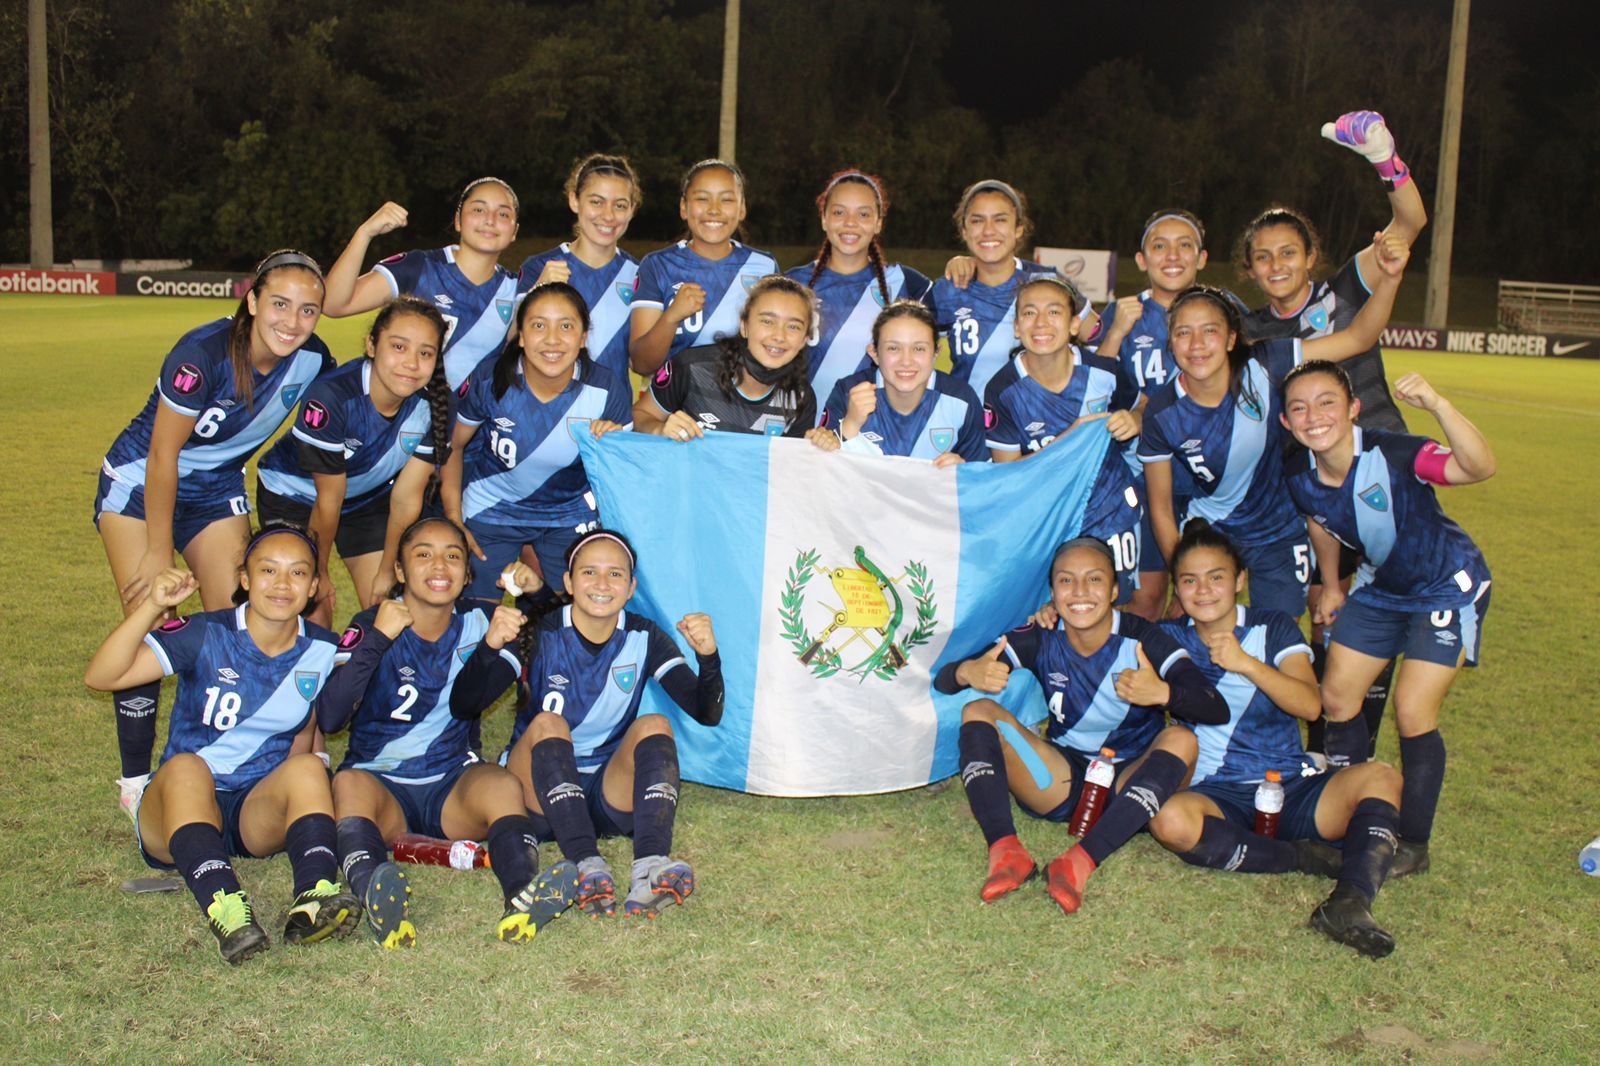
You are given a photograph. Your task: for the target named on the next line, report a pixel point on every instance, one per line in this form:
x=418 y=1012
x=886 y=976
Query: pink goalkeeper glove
x=1365 y=133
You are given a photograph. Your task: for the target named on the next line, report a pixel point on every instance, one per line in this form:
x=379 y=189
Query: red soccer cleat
x=1010 y=867
x=1066 y=876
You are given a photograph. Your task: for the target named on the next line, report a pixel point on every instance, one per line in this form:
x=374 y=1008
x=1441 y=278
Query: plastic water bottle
x=431 y=851
x=1097 y=782
x=1269 y=804
x=1589 y=858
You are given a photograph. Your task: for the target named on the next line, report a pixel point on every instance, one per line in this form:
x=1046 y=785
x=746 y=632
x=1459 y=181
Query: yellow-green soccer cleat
x=233 y=923
x=388 y=903
x=541 y=901
x=324 y=910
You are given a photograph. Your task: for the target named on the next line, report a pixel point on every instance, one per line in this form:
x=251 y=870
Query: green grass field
x=823 y=930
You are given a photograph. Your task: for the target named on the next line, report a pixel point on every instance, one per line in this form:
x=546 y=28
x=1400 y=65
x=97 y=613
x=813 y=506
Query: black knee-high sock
x=310 y=842
x=202 y=859
x=1149 y=787
x=1225 y=846
x=983 y=772
x=555 y=779
x=360 y=847
x=136 y=726
x=1369 y=843
x=1346 y=743
x=1422 y=761
x=513 y=852
x=655 y=794
x=1372 y=707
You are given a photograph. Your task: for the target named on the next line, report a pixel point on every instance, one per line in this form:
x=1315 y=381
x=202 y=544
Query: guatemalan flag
x=838 y=585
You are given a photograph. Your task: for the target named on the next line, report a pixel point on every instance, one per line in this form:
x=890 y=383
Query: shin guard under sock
x=1131 y=809
x=983 y=773
x=566 y=808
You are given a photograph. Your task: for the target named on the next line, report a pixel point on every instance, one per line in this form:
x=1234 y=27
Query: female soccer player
x=589 y=764
x=354 y=466
x=1279 y=250
x=1107 y=676
x=1052 y=388
x=520 y=481
x=603 y=193
x=690 y=293
x=850 y=277
x=751 y=382
x=420 y=670
x=1220 y=417
x=1423 y=586
x=977 y=315
x=174 y=479
x=466 y=281
x=899 y=404
x=228 y=785
x=1261 y=664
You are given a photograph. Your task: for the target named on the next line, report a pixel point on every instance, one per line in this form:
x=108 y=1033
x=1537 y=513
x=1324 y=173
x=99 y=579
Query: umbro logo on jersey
x=1033 y=427
x=963 y=312
x=227 y=675
x=505 y=423
x=873 y=437
x=1144 y=340
x=565 y=791
x=1374 y=497
x=350 y=445
x=1191 y=445
x=443 y=301
x=407 y=673
x=557 y=680
x=707 y=420
x=1058 y=678
x=974 y=769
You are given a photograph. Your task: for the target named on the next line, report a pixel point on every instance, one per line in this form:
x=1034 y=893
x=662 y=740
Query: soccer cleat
x=597 y=892
x=1066 y=875
x=1346 y=917
x=233 y=923
x=1010 y=867
x=1409 y=858
x=663 y=883
x=131 y=791
x=541 y=901
x=324 y=910
x=387 y=905
x=1318 y=859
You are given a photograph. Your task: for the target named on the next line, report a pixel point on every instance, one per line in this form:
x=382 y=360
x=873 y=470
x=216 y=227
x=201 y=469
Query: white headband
x=1185 y=219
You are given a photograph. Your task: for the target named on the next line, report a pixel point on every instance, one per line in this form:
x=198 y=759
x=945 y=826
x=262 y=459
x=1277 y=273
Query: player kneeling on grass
x=1259 y=661
x=588 y=763
x=1107 y=676
x=421 y=670
x=228 y=783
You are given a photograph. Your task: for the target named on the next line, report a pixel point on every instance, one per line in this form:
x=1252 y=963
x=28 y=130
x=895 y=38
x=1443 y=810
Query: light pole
x=41 y=238
x=1437 y=309
x=730 y=82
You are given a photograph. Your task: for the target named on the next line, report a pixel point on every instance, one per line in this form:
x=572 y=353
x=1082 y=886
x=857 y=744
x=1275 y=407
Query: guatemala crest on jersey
x=306 y=683
x=877 y=294
x=409 y=442
x=1318 y=317
x=576 y=426
x=1374 y=497
x=289 y=394
x=626 y=677
x=749 y=281
x=503 y=309
x=465 y=651
x=625 y=291
x=942 y=439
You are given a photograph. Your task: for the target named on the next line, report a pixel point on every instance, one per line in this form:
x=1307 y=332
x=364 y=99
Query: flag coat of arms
x=838 y=585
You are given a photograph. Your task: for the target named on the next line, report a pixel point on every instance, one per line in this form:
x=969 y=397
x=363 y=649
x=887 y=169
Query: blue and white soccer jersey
x=1234 y=455
x=596 y=690
x=340 y=431
x=726 y=282
x=1417 y=563
x=977 y=323
x=521 y=471
x=196 y=381
x=1331 y=306
x=948 y=418
x=1258 y=735
x=237 y=708
x=1023 y=417
x=847 y=306
x=476 y=317
x=608 y=292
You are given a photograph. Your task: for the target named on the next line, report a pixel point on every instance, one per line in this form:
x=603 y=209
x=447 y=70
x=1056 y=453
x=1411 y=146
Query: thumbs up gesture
x=1143 y=687
x=988 y=672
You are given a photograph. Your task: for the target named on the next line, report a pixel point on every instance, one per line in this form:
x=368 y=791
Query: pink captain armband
x=1431 y=461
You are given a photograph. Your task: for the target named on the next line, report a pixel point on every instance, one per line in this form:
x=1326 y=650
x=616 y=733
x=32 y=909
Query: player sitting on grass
x=227 y=784
x=1107 y=677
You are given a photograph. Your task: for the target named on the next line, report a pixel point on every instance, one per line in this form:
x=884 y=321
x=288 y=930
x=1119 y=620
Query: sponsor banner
x=1490 y=342
x=64 y=282
x=1094 y=270
x=183 y=283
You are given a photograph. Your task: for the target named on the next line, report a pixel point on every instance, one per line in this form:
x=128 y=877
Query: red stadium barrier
x=1490 y=342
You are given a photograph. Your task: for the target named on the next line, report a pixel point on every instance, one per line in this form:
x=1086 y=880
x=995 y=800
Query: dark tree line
x=216 y=129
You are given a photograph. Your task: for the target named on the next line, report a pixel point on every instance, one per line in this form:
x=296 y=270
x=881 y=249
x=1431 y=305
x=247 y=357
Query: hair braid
x=875 y=257
x=824 y=254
